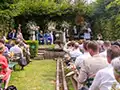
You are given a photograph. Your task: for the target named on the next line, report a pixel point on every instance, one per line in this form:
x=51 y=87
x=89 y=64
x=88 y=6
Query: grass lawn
x=38 y=75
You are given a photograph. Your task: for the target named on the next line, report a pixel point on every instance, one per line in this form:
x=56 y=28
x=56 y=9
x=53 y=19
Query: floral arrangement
x=31 y=25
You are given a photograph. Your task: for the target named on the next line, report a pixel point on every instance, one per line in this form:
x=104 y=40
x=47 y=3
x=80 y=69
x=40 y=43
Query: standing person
x=49 y=38
x=41 y=37
x=12 y=34
x=87 y=34
x=5 y=72
x=52 y=37
x=37 y=32
x=20 y=36
x=79 y=60
x=99 y=37
x=6 y=50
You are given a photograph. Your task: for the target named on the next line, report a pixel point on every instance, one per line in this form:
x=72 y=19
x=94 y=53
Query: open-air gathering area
x=59 y=44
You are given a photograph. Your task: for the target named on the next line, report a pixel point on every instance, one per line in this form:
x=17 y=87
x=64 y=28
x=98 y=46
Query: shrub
x=33 y=47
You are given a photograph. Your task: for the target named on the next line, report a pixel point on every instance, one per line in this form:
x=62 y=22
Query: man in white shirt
x=79 y=60
x=104 y=78
x=15 y=49
x=68 y=47
x=76 y=51
x=116 y=65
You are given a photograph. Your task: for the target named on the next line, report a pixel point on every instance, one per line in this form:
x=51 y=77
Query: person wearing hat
x=5 y=72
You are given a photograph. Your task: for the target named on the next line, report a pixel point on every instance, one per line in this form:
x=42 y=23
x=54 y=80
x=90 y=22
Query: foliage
x=40 y=11
x=33 y=47
x=106 y=18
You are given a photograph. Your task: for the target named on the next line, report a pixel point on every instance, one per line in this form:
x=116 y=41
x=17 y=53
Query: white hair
x=116 y=63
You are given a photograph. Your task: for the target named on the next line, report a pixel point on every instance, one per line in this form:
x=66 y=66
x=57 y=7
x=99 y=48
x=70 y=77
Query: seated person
x=91 y=65
x=41 y=37
x=79 y=60
x=25 y=49
x=47 y=38
x=106 y=45
x=18 y=52
x=6 y=51
x=76 y=51
x=16 y=49
x=68 y=46
x=104 y=78
x=116 y=69
x=4 y=71
x=9 y=44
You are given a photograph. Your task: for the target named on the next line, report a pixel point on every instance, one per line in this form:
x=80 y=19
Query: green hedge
x=33 y=47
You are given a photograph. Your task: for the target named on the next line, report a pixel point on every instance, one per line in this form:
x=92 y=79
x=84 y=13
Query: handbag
x=22 y=61
x=12 y=87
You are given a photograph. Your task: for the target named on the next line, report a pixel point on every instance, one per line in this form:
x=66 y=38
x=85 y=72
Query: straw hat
x=2 y=47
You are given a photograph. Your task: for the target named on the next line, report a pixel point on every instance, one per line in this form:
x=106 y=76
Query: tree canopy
x=103 y=14
x=106 y=18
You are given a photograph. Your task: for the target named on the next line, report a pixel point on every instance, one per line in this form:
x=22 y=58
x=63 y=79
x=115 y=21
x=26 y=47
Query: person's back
x=16 y=49
x=76 y=51
x=104 y=78
x=92 y=64
x=79 y=60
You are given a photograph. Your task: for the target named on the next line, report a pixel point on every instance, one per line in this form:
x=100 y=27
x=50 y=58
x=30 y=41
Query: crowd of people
x=94 y=65
x=9 y=50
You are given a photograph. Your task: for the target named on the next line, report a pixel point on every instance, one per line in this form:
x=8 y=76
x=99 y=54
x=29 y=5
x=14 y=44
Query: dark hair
x=113 y=51
x=116 y=43
x=93 y=45
x=17 y=42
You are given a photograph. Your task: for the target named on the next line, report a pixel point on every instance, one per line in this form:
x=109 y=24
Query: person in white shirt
x=104 y=78
x=68 y=46
x=76 y=51
x=16 y=49
x=116 y=65
x=79 y=60
x=106 y=45
x=87 y=34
